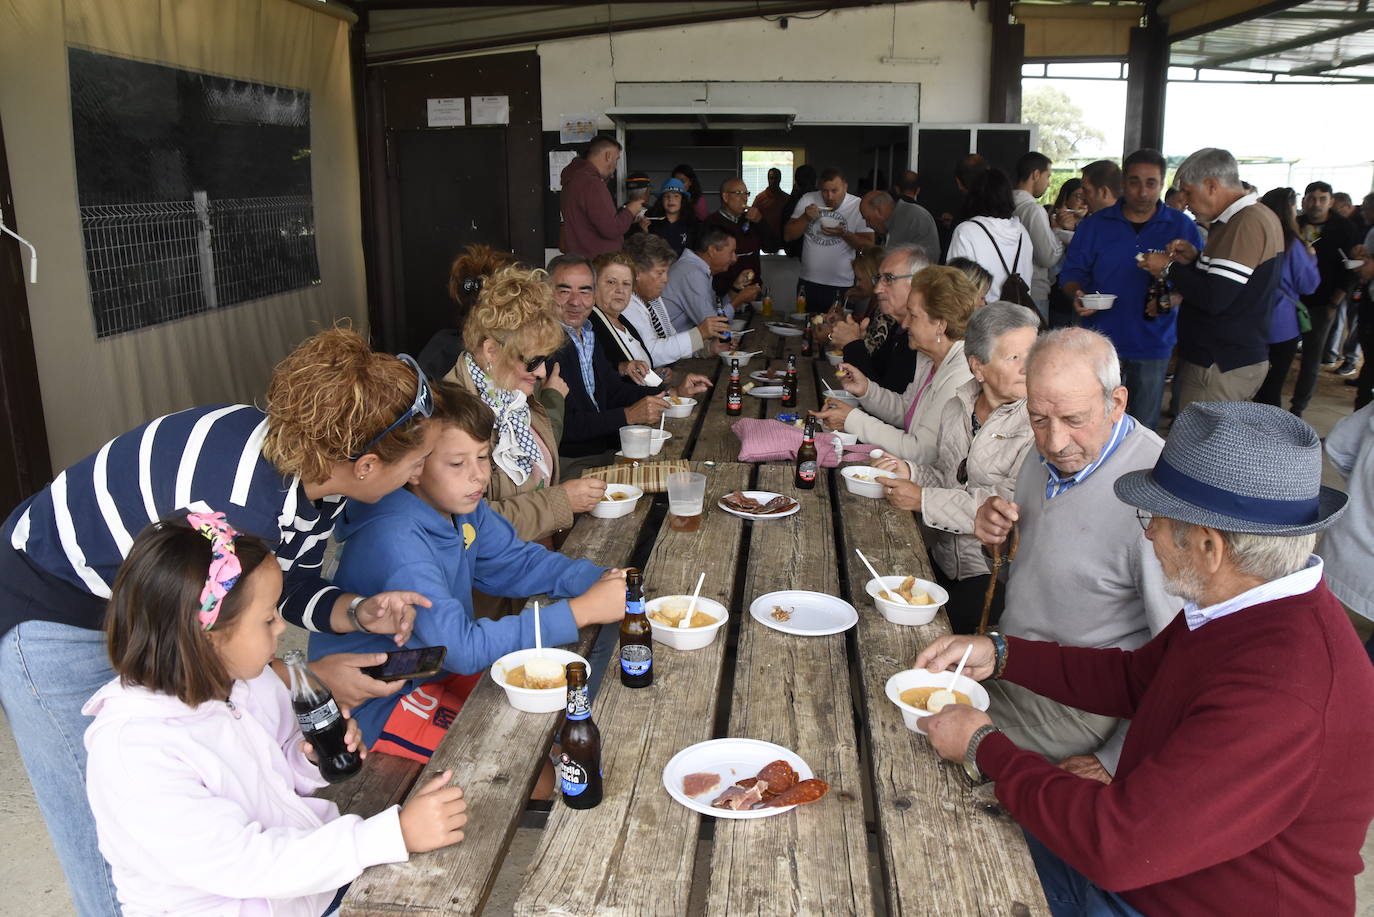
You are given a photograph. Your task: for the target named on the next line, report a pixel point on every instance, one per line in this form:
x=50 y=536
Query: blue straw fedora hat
x=1238 y=467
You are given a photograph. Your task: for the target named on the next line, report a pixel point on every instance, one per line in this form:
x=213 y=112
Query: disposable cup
x=686 y=493
x=636 y=441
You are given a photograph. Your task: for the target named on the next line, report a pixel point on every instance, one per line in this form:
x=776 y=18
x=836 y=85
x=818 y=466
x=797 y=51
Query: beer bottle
x=806 y=341
x=806 y=457
x=767 y=304
x=725 y=335
x=321 y=721
x=734 y=394
x=579 y=746
x=636 y=638
x=789 y=383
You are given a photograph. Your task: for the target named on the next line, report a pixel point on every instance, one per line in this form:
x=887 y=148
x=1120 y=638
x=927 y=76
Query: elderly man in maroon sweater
x=1246 y=784
x=591 y=223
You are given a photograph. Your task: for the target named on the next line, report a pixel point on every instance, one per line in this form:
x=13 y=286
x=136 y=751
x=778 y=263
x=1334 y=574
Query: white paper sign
x=445 y=112
x=491 y=109
x=576 y=128
x=558 y=161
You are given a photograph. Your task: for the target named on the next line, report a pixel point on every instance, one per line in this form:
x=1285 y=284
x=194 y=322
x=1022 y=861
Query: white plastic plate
x=814 y=614
x=732 y=759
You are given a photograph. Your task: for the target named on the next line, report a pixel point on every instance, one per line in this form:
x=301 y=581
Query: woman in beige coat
x=983 y=439
x=509 y=335
x=907 y=424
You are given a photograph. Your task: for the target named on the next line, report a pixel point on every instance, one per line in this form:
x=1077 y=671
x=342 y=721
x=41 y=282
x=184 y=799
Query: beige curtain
x=94 y=389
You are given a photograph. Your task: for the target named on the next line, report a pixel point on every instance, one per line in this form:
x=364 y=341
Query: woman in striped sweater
x=341 y=423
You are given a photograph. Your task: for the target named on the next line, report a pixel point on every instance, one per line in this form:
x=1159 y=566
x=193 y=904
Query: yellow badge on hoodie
x=469 y=535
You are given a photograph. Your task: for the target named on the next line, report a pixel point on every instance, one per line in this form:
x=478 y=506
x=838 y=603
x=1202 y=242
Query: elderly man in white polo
x=1246 y=785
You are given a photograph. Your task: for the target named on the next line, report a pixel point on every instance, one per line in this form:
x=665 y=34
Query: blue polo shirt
x=1101 y=258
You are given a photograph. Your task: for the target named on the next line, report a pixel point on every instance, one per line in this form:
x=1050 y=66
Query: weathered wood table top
x=900 y=832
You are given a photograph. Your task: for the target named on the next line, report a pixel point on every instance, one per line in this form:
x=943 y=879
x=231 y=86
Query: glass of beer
x=686 y=494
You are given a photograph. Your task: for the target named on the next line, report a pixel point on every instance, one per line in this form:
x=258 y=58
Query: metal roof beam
x=1318 y=69
x=1293 y=44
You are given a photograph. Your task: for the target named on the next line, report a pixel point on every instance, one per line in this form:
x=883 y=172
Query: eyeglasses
x=423 y=405
x=534 y=363
x=1144 y=519
x=888 y=278
x=744 y=193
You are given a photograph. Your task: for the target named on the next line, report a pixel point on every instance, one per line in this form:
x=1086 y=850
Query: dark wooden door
x=452 y=190
x=24 y=463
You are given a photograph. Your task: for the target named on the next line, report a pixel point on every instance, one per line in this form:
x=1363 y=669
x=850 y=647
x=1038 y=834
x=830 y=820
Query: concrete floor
x=33 y=881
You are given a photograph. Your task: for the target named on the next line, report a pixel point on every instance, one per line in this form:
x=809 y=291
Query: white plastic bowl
x=683 y=409
x=920 y=678
x=864 y=488
x=744 y=357
x=690 y=638
x=1098 y=301
x=1353 y=264
x=840 y=395
x=846 y=439
x=829 y=222
x=738 y=324
x=614 y=509
x=835 y=357
x=657 y=439
x=534 y=700
x=800 y=318
x=906 y=615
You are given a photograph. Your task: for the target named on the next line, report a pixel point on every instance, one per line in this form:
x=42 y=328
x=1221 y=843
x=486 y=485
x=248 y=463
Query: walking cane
x=996 y=569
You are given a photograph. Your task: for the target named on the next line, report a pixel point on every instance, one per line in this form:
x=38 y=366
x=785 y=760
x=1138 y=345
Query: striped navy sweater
x=63 y=546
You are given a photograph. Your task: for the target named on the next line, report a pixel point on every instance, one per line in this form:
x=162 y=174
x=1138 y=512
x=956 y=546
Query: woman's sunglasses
x=423 y=405
x=534 y=363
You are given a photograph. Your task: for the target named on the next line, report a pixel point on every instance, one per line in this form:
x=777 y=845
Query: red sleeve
x=1234 y=772
x=1108 y=682
x=600 y=211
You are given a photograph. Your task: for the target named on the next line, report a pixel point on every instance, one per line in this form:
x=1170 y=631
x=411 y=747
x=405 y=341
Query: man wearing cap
x=1247 y=782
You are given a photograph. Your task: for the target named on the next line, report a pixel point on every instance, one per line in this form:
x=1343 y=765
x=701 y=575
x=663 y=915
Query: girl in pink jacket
x=198 y=775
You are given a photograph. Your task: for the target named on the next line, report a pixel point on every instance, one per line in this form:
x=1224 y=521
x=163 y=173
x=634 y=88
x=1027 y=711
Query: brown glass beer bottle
x=579 y=741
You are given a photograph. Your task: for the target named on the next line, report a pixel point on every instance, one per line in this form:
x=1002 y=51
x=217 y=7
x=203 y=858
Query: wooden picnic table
x=900 y=832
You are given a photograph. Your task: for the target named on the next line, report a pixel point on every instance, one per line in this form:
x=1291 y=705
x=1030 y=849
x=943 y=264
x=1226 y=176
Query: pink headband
x=224 y=563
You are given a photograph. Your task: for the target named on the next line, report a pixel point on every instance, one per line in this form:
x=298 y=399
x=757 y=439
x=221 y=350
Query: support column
x=1008 y=54
x=1146 y=81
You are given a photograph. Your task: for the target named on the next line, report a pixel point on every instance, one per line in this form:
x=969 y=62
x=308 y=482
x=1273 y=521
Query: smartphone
x=403 y=665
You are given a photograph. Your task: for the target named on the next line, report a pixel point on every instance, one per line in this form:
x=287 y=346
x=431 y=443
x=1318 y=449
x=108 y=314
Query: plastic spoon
x=539 y=667
x=885 y=590
x=945 y=696
x=686 y=619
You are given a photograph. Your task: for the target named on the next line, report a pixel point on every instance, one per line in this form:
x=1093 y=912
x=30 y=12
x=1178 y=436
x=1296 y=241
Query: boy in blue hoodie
x=438 y=536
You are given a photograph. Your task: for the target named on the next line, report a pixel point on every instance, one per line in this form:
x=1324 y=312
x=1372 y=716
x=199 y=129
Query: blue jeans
x=1069 y=892
x=1144 y=381
x=47 y=671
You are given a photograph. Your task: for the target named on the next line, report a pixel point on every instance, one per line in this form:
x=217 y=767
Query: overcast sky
x=1325 y=123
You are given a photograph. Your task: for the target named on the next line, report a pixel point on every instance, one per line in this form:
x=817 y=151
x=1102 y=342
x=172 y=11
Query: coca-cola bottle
x=321 y=721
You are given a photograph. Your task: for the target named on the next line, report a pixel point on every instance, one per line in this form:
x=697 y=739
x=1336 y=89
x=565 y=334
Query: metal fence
x=149 y=263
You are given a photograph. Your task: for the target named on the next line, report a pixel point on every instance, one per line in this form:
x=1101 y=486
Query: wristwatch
x=353 y=613
x=999 y=645
x=971 y=756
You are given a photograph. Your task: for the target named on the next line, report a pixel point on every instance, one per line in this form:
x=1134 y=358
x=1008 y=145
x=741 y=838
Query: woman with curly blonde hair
x=512 y=331
x=465 y=278
x=341 y=423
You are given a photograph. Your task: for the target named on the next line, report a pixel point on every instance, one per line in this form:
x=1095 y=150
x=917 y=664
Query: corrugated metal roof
x=1331 y=39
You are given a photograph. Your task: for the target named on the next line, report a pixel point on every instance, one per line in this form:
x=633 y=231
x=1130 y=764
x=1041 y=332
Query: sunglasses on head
x=422 y=406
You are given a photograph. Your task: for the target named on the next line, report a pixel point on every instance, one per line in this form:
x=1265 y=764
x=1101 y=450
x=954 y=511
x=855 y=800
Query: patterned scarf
x=515 y=451
x=878 y=330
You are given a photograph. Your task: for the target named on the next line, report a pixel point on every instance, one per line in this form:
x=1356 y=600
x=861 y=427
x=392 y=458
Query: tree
x=1061 y=123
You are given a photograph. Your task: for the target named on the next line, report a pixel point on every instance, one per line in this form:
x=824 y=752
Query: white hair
x=1209 y=162
x=918 y=259
x=1267 y=557
x=1091 y=346
x=989 y=323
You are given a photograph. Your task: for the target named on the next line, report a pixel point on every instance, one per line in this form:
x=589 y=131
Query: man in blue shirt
x=1102 y=259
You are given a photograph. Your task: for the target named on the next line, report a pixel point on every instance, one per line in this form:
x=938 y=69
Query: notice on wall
x=445 y=112
x=558 y=161
x=491 y=109
x=576 y=128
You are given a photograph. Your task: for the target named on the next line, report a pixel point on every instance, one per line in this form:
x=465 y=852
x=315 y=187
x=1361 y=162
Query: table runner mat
x=650 y=477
